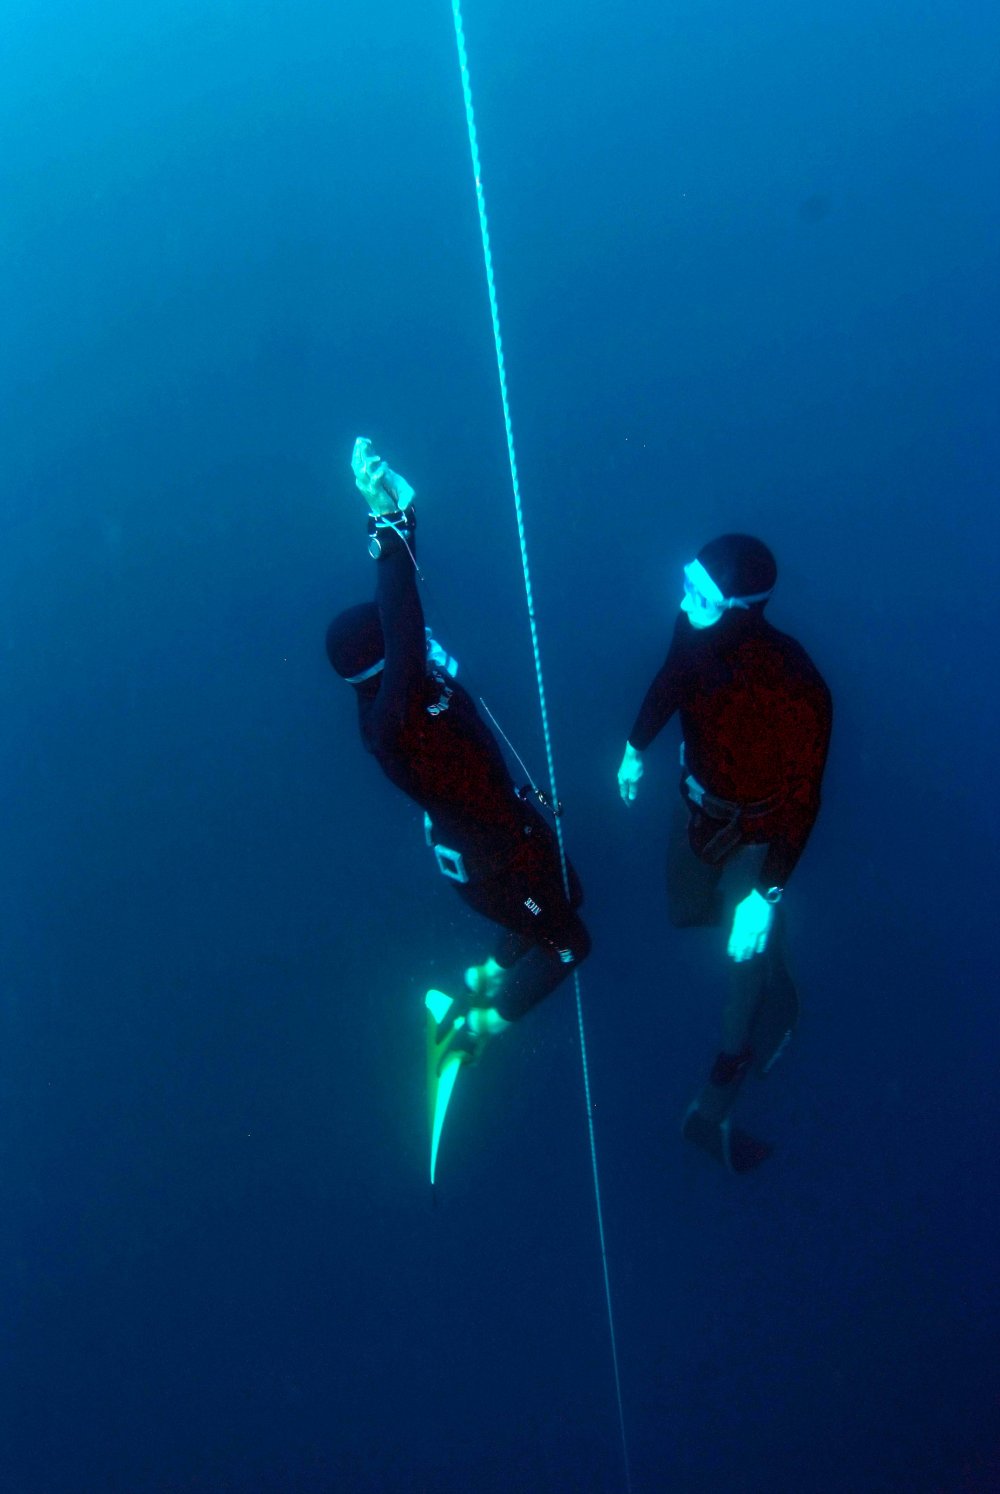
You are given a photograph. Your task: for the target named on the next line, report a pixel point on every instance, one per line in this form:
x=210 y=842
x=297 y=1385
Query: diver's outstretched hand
x=751 y=925
x=383 y=490
x=629 y=774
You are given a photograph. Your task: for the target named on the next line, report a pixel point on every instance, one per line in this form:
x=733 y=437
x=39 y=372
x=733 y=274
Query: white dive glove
x=751 y=925
x=384 y=491
x=629 y=773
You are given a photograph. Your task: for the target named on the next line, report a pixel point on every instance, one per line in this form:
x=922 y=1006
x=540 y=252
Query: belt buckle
x=695 y=791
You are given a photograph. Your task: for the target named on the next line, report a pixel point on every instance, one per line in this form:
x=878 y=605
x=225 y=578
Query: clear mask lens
x=703 y=601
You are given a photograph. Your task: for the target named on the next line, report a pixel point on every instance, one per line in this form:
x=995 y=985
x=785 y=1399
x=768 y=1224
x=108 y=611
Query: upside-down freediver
x=487 y=840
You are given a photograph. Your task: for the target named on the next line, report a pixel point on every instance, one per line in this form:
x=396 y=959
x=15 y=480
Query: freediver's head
x=734 y=571
x=354 y=644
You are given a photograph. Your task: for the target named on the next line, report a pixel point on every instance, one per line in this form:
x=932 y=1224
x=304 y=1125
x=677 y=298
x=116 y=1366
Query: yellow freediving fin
x=442 y=1067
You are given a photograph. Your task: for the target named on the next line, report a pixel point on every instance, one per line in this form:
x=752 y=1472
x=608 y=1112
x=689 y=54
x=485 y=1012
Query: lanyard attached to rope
x=463 y=64
x=549 y=802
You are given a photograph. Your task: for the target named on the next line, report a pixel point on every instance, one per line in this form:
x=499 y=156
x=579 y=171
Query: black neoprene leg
x=776 y=1014
x=544 y=936
x=511 y=947
x=747 y=978
x=762 y=1006
x=751 y=983
x=747 y=984
x=531 y=980
x=693 y=897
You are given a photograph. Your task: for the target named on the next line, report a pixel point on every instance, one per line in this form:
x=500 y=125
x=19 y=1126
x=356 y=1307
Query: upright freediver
x=755 y=719
x=492 y=845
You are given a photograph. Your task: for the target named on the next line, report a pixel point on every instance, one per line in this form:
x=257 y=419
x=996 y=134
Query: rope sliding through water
x=463 y=63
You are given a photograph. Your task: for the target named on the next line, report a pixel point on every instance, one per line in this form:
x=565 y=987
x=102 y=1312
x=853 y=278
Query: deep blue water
x=747 y=261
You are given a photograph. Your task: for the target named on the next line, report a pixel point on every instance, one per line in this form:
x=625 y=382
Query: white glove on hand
x=629 y=773
x=384 y=490
x=751 y=925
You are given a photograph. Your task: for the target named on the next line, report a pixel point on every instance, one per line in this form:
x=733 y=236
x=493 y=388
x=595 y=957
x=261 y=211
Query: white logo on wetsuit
x=441 y=668
x=532 y=906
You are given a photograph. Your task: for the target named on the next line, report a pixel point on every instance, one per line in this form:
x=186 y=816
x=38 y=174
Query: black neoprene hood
x=354 y=640
x=739 y=564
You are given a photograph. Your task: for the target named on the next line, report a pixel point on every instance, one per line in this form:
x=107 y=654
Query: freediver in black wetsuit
x=423 y=729
x=755 y=719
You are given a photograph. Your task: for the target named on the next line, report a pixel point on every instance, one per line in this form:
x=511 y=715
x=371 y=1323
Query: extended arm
x=659 y=703
x=392 y=526
x=809 y=718
x=402 y=627
x=629 y=773
x=807 y=740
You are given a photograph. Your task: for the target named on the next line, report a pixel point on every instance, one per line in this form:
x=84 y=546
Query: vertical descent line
x=463 y=63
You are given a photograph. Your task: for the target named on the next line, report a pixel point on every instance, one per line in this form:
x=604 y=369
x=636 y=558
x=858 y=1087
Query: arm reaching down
x=629 y=773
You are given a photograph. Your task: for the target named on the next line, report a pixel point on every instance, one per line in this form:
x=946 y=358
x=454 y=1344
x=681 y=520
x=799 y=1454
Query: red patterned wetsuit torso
x=756 y=719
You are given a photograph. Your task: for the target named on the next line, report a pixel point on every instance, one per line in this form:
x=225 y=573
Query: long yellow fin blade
x=440 y=1086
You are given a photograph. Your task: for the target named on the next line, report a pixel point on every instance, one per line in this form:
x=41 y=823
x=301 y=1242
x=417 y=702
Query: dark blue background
x=746 y=258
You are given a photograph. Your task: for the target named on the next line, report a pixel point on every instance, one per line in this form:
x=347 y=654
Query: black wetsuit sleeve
x=661 y=699
x=806 y=741
x=402 y=618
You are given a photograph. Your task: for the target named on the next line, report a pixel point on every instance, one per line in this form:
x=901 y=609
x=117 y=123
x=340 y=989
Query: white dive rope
x=463 y=63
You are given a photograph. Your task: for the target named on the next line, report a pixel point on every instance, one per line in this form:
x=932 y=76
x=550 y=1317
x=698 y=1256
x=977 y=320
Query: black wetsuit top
x=756 y=718
x=424 y=730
